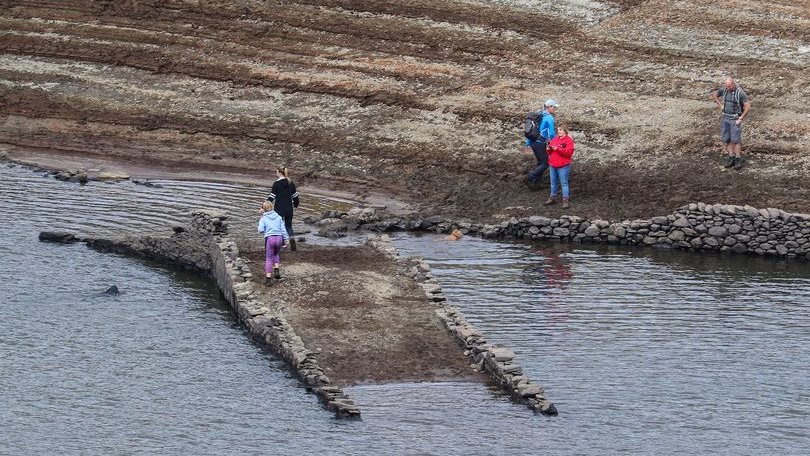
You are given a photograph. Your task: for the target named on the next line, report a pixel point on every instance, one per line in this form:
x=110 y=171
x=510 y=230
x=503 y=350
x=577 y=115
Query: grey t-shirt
x=730 y=106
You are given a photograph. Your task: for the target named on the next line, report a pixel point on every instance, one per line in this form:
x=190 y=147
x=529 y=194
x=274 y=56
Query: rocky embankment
x=696 y=226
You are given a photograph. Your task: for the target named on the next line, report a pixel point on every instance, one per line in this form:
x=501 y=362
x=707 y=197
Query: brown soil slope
x=420 y=98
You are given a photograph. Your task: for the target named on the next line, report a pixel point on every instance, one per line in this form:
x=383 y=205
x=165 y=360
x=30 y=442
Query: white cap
x=551 y=102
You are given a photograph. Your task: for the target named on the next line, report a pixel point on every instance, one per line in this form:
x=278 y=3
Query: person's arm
x=261 y=225
x=746 y=108
x=715 y=95
x=272 y=196
x=547 y=128
x=566 y=148
x=294 y=194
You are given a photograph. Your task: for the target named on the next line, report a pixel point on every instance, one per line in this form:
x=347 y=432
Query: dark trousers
x=539 y=150
x=288 y=224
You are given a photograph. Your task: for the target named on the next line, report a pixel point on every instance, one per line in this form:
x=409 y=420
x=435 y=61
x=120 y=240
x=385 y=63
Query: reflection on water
x=643 y=352
x=655 y=348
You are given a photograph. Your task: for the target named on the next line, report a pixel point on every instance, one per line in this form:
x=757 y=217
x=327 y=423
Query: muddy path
x=367 y=321
x=419 y=100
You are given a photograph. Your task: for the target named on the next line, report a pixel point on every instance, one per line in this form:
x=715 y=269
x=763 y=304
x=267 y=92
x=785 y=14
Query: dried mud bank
x=695 y=226
x=498 y=362
x=423 y=100
x=204 y=247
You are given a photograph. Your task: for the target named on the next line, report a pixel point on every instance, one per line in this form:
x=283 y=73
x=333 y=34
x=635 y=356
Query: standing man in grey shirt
x=735 y=105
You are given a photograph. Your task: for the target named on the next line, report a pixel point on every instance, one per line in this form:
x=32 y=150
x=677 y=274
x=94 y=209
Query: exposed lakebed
x=643 y=351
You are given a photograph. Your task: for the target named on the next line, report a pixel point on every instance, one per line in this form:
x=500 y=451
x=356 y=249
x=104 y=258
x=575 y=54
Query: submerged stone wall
x=232 y=276
x=498 y=362
x=696 y=226
x=204 y=247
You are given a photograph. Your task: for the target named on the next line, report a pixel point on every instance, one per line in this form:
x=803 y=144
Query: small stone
x=561 y=232
x=711 y=241
x=502 y=354
x=677 y=235
x=592 y=231
x=530 y=390
x=112 y=175
x=682 y=222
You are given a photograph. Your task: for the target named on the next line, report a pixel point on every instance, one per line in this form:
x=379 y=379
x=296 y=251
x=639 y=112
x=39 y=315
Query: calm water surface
x=643 y=352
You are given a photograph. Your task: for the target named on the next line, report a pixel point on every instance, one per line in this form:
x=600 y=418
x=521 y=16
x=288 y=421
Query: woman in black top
x=284 y=197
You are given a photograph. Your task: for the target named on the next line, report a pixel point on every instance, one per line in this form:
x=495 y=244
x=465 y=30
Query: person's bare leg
x=737 y=156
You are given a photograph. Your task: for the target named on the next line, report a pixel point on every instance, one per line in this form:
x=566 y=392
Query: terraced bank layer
x=419 y=99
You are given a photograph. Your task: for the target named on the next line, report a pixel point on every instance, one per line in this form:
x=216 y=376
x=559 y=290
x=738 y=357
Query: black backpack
x=736 y=98
x=531 y=126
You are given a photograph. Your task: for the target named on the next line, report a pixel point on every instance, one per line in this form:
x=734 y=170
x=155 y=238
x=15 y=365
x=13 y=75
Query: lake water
x=643 y=352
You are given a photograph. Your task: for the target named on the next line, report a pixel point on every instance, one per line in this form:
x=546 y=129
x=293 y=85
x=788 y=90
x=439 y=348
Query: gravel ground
x=422 y=101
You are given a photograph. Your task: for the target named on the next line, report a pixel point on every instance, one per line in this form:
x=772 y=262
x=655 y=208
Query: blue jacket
x=547 y=132
x=271 y=224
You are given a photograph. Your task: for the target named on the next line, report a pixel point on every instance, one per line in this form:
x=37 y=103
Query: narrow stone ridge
x=498 y=362
x=695 y=226
x=205 y=248
x=232 y=276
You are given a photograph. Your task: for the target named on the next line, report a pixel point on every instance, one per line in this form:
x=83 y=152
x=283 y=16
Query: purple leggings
x=272 y=246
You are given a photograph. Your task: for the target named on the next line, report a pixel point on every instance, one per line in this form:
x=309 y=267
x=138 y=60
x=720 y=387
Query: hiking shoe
x=565 y=203
x=277 y=273
x=532 y=184
x=292 y=244
x=549 y=202
x=730 y=162
x=268 y=281
x=737 y=163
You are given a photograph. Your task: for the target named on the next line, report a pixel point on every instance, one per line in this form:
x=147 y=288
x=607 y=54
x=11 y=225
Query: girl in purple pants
x=275 y=238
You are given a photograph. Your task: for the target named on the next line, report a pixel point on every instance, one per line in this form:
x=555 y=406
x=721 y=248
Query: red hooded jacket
x=560 y=151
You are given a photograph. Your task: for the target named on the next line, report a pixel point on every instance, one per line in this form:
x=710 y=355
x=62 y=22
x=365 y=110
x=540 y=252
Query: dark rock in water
x=112 y=291
x=179 y=229
x=80 y=178
x=549 y=409
x=56 y=236
x=62 y=176
x=146 y=183
x=302 y=239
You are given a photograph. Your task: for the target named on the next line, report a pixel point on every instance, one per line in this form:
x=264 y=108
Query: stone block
x=501 y=354
x=562 y=232
x=537 y=220
x=592 y=231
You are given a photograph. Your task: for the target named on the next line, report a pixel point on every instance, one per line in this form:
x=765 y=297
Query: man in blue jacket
x=539 y=145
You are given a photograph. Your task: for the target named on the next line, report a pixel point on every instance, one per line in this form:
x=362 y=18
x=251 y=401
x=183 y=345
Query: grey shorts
x=730 y=131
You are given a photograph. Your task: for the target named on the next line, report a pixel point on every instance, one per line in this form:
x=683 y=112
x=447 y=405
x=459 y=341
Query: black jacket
x=284 y=197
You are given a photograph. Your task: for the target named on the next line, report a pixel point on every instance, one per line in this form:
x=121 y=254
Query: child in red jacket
x=560 y=151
